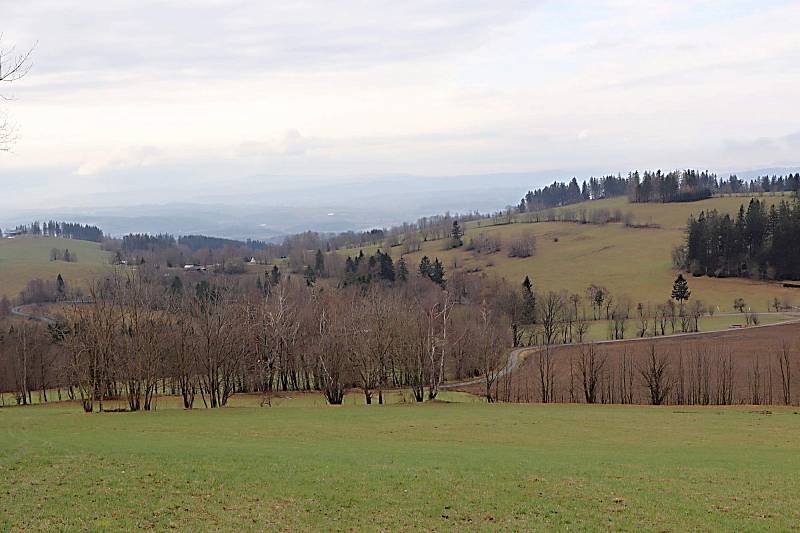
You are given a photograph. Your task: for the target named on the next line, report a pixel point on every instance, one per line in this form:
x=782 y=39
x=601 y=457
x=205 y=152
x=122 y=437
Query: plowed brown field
x=735 y=366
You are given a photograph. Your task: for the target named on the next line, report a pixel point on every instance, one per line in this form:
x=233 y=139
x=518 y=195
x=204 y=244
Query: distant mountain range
x=267 y=208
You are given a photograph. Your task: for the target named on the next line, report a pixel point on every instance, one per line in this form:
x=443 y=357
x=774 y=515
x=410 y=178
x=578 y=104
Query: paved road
x=20 y=311
x=32 y=315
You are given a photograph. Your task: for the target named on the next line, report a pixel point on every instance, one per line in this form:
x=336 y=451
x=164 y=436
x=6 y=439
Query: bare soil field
x=757 y=365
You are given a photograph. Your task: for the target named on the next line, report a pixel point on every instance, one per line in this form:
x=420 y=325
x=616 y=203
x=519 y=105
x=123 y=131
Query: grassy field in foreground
x=25 y=258
x=435 y=466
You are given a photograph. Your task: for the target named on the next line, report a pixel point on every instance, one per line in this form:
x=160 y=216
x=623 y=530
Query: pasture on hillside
x=26 y=257
x=673 y=215
x=630 y=261
x=434 y=466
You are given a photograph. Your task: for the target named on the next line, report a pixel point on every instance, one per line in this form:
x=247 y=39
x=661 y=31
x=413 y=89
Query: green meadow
x=437 y=466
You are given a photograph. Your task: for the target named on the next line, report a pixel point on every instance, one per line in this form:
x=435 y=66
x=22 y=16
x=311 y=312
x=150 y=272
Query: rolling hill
x=25 y=258
x=630 y=260
x=633 y=261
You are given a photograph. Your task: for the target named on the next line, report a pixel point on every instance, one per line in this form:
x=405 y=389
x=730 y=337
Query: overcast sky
x=140 y=96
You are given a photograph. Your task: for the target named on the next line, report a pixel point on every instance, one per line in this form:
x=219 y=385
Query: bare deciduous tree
x=14 y=66
x=220 y=343
x=490 y=350
x=523 y=245
x=546 y=367
x=550 y=311
x=784 y=363
x=655 y=374
x=91 y=342
x=591 y=366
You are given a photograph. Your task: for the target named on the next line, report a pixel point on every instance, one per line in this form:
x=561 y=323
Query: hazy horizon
x=169 y=102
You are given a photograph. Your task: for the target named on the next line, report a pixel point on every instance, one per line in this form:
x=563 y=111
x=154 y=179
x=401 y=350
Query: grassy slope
x=599 y=329
x=435 y=466
x=25 y=258
x=674 y=215
x=629 y=261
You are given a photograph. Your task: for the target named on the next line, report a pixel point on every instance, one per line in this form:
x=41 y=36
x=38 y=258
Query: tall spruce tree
x=60 y=287
x=176 y=287
x=386 y=266
x=402 y=270
x=680 y=290
x=425 y=267
x=456 y=235
x=437 y=273
x=528 y=314
x=310 y=276
x=275 y=276
x=319 y=264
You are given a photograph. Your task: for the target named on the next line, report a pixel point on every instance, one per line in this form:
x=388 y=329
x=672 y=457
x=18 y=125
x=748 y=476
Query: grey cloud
x=766 y=144
x=233 y=39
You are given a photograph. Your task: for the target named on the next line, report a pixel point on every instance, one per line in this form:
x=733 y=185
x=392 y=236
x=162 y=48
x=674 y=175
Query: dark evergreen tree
x=310 y=276
x=275 y=276
x=759 y=240
x=402 y=270
x=680 y=289
x=176 y=287
x=456 y=235
x=319 y=263
x=60 y=287
x=425 y=267
x=386 y=266
x=437 y=273
x=528 y=313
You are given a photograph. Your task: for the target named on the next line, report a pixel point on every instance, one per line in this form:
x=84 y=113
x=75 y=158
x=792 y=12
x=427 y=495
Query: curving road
x=20 y=312
x=511 y=364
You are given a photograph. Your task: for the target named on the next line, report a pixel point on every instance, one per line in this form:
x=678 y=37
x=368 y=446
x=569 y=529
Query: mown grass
x=25 y=258
x=401 y=467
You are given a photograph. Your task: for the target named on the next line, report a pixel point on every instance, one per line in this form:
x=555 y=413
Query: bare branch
x=14 y=66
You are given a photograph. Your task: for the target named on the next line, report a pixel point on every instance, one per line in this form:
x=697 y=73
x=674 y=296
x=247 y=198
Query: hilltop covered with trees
x=757 y=242
x=653 y=186
x=64 y=230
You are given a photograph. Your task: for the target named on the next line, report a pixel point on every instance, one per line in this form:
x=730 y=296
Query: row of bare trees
x=701 y=375
x=134 y=339
x=139 y=338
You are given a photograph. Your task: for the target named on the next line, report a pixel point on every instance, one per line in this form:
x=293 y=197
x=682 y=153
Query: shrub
x=522 y=246
x=484 y=243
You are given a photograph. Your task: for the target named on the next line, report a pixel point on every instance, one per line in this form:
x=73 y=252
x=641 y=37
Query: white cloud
x=168 y=91
x=136 y=157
